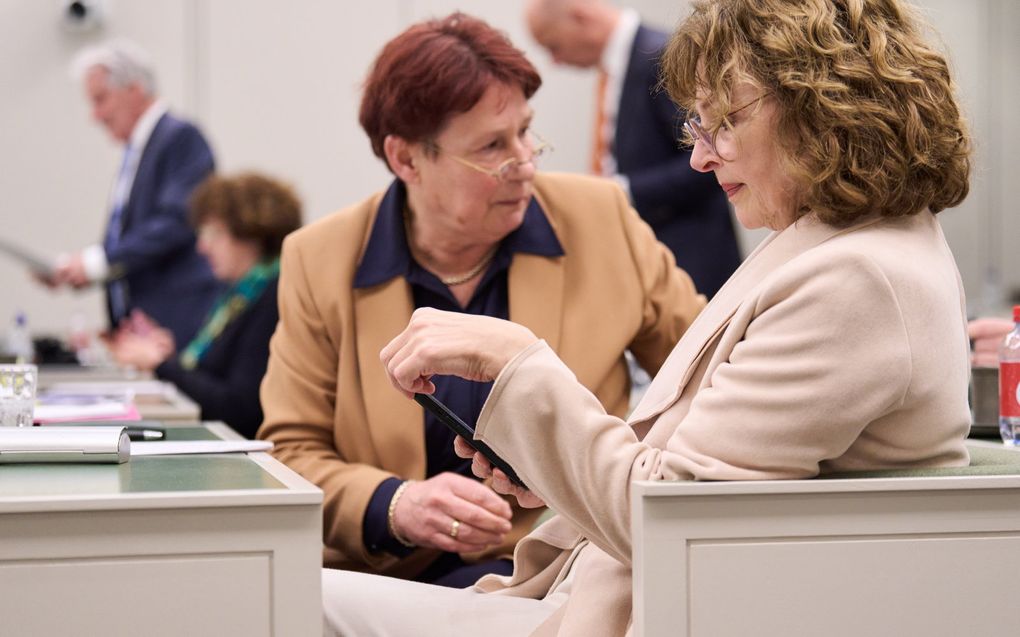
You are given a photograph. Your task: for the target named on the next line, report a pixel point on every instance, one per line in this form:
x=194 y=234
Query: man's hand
x=70 y=270
x=49 y=280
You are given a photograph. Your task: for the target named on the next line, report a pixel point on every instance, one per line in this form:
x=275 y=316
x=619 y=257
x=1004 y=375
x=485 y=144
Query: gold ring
x=455 y=529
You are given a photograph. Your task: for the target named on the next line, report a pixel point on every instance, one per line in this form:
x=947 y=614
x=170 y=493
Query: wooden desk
x=223 y=544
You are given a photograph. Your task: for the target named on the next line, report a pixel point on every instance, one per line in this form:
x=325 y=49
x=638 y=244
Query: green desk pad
x=143 y=474
x=189 y=433
x=984 y=461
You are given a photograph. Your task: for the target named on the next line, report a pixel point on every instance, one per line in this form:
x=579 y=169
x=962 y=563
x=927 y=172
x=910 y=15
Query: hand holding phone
x=467 y=432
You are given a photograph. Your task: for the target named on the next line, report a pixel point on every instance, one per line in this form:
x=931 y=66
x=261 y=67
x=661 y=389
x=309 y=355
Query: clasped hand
x=425 y=515
x=140 y=342
x=987 y=335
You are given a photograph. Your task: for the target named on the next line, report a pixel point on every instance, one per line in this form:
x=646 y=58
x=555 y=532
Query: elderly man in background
x=147 y=259
x=636 y=132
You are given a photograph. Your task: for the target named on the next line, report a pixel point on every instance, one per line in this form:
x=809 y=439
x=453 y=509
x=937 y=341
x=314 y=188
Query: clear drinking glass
x=17 y=395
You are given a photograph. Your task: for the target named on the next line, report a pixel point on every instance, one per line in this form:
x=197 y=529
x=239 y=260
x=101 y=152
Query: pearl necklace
x=457 y=279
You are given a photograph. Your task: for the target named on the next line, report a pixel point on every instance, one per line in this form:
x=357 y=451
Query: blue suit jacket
x=687 y=210
x=155 y=254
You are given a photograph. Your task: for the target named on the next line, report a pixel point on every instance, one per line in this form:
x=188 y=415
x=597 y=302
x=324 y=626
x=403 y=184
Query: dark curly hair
x=252 y=206
x=867 y=116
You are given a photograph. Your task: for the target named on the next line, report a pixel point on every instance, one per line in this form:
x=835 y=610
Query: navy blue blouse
x=387 y=256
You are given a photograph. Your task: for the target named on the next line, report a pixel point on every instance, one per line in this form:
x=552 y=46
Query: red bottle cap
x=1016 y=313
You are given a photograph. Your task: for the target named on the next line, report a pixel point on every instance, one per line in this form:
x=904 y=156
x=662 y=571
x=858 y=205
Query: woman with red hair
x=838 y=346
x=466 y=226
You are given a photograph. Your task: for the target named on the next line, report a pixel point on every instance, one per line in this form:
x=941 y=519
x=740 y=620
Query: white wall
x=276 y=87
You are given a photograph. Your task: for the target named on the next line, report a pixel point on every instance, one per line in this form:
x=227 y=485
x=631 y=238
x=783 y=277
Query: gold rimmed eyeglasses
x=698 y=132
x=502 y=171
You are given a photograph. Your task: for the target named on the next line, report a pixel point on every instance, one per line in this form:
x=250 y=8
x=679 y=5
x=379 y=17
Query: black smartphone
x=467 y=432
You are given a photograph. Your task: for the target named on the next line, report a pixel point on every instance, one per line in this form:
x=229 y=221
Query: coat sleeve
x=299 y=402
x=824 y=355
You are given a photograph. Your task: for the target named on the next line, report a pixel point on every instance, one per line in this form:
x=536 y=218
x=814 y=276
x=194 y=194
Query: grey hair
x=125 y=62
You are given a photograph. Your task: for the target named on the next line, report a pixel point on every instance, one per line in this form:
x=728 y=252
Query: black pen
x=140 y=434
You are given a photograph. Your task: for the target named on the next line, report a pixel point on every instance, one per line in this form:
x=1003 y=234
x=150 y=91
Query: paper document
x=128 y=387
x=198 y=446
x=34 y=262
x=100 y=410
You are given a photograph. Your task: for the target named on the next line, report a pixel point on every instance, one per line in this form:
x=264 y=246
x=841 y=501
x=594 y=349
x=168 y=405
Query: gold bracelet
x=393 y=509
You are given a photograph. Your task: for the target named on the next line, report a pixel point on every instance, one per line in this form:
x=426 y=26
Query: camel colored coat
x=828 y=350
x=335 y=418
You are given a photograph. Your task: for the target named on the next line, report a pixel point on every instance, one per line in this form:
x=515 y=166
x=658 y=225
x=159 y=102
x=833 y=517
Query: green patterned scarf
x=229 y=306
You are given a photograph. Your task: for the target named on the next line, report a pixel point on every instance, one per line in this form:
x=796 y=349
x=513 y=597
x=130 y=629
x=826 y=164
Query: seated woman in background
x=839 y=345
x=466 y=226
x=241 y=222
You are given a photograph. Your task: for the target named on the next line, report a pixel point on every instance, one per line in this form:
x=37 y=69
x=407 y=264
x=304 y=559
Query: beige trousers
x=362 y=605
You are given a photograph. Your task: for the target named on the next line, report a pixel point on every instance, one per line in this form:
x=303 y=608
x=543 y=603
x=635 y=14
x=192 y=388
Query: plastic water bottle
x=19 y=340
x=1009 y=383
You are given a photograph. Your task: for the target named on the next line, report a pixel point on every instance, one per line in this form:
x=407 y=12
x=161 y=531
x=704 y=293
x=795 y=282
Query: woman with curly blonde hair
x=865 y=114
x=839 y=345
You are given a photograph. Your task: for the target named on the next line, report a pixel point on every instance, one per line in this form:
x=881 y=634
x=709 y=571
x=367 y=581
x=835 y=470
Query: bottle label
x=1009 y=385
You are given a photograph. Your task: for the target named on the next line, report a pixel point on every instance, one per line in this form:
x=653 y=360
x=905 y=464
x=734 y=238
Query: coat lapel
x=535 y=287
x=143 y=172
x=774 y=251
x=395 y=423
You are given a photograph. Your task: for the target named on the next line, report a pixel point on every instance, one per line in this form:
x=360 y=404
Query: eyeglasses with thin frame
x=502 y=170
x=698 y=132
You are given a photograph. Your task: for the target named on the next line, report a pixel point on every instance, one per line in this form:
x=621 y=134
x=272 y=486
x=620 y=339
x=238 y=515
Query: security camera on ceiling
x=82 y=15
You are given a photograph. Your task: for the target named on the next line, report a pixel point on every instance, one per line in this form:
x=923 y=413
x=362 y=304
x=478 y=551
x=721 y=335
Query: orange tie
x=598 y=149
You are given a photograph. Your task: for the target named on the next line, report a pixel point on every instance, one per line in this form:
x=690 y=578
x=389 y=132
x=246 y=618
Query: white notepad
x=63 y=444
x=169 y=448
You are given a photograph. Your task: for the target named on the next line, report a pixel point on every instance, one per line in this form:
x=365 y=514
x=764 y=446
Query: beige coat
x=828 y=350
x=333 y=414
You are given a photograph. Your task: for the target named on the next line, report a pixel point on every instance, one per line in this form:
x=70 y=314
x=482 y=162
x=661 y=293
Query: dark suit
x=225 y=384
x=155 y=252
x=686 y=209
